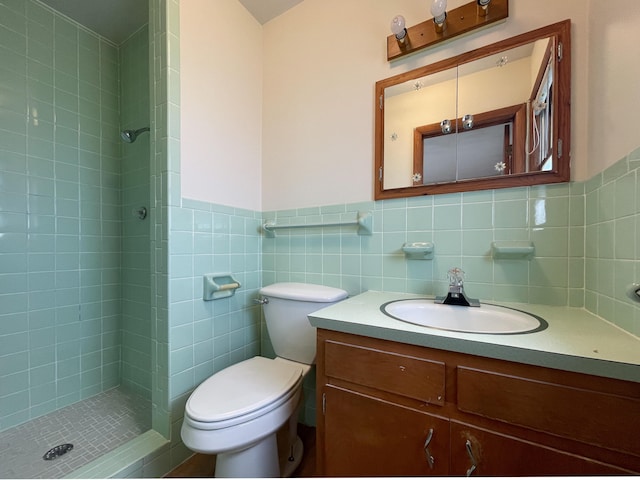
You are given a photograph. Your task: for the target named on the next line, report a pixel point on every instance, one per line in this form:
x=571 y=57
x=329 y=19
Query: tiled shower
x=74 y=250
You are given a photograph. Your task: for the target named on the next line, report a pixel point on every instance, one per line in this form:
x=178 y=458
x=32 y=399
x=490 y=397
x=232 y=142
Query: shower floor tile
x=94 y=426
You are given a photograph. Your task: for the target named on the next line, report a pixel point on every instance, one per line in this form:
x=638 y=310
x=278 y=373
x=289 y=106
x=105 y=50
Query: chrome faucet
x=456 y=295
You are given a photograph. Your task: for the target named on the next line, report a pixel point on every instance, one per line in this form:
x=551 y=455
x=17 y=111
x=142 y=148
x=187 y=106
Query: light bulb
x=483 y=7
x=398 y=27
x=439 y=10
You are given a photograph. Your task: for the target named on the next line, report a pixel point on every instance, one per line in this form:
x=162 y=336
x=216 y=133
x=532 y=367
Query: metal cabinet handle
x=474 y=463
x=430 y=459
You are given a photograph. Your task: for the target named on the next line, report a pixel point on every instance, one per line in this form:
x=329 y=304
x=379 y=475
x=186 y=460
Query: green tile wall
x=159 y=12
x=59 y=182
x=612 y=254
x=462 y=227
x=60 y=212
x=206 y=337
x=585 y=236
x=136 y=287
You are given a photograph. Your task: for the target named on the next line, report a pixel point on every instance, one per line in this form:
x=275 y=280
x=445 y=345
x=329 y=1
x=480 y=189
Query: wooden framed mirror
x=494 y=117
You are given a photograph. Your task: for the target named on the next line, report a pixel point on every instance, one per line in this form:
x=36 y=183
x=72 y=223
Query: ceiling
x=118 y=19
x=265 y=10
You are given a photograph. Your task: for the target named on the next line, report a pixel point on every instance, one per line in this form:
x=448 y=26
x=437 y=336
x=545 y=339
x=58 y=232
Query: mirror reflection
x=491 y=118
x=474 y=146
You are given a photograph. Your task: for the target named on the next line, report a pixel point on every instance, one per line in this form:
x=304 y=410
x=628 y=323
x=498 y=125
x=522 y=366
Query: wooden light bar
x=460 y=21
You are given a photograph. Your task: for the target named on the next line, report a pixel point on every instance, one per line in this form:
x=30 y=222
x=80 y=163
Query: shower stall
x=75 y=316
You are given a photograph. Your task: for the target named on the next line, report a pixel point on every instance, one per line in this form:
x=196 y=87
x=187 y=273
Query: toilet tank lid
x=304 y=292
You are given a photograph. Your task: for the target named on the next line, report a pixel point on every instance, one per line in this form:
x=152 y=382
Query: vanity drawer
x=397 y=373
x=591 y=416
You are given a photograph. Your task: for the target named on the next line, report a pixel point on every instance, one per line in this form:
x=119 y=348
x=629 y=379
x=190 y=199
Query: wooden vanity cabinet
x=481 y=452
x=393 y=409
x=370 y=437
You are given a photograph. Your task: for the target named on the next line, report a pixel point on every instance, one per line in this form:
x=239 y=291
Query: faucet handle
x=456 y=276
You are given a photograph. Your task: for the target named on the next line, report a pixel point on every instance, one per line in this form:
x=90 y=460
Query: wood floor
x=200 y=465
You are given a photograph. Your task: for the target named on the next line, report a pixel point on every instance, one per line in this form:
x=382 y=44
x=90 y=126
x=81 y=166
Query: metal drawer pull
x=430 y=459
x=474 y=465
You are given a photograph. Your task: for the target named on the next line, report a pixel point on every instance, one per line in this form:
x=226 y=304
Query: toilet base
x=292 y=462
x=257 y=461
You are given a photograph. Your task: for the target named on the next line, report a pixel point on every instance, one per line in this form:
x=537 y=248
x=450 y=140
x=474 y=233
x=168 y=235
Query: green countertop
x=576 y=340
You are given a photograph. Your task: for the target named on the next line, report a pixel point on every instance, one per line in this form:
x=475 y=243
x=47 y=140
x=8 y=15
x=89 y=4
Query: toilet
x=236 y=412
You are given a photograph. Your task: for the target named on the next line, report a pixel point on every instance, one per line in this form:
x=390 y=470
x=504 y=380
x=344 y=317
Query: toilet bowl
x=236 y=412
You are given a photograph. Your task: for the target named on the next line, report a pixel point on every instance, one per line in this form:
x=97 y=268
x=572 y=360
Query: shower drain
x=58 y=451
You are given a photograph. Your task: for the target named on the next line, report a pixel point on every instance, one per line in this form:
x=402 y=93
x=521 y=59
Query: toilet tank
x=285 y=314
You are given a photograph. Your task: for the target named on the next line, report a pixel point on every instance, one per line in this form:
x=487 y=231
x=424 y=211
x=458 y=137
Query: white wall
x=299 y=132
x=322 y=59
x=614 y=76
x=221 y=103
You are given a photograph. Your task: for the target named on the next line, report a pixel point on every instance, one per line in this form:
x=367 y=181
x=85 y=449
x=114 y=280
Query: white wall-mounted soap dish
x=418 y=250
x=512 y=250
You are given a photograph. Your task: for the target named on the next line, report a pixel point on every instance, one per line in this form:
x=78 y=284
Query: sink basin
x=490 y=319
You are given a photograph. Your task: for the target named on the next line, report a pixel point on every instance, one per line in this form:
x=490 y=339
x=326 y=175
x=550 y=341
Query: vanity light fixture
x=467 y=122
x=445 y=126
x=445 y=25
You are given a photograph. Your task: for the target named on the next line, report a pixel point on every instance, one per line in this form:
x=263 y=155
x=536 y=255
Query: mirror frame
x=561 y=31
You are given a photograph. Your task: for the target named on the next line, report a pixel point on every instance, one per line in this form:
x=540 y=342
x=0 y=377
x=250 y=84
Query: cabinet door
x=476 y=451
x=365 y=436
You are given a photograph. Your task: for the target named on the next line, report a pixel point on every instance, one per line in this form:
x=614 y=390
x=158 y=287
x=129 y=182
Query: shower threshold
x=94 y=426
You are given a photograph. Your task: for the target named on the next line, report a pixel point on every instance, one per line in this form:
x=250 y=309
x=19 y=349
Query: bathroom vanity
x=395 y=399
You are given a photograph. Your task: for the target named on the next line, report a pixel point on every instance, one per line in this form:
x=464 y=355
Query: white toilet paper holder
x=218 y=285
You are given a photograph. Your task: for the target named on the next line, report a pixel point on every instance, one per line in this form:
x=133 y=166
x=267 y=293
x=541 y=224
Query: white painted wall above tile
x=221 y=103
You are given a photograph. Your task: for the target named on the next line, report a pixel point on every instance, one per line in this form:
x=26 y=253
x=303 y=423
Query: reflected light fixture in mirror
x=444 y=26
x=483 y=7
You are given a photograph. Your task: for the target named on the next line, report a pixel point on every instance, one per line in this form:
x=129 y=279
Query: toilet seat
x=242 y=392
